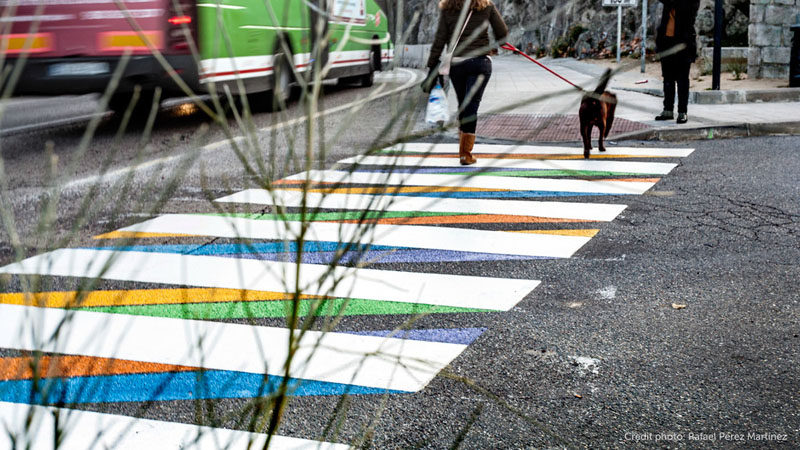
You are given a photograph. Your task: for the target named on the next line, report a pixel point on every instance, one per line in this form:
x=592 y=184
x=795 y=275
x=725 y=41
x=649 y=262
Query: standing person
x=677 y=28
x=471 y=66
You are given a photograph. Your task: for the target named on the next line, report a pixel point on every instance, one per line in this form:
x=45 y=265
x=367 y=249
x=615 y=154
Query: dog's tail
x=601 y=87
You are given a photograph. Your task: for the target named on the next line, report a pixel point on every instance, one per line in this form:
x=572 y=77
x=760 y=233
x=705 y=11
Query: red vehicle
x=74 y=46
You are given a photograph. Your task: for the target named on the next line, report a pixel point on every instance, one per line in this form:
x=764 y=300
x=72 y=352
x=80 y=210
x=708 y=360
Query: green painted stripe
x=340 y=215
x=278 y=308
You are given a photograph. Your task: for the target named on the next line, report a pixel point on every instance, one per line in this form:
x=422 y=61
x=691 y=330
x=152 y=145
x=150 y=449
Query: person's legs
x=479 y=70
x=473 y=76
x=459 y=80
x=682 y=79
x=668 y=72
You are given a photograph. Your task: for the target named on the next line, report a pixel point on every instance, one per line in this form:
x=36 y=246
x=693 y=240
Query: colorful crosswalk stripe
x=173 y=341
x=369 y=361
x=562 y=210
x=654 y=168
x=620 y=152
x=457 y=239
x=443 y=181
x=69 y=379
x=34 y=427
x=501 y=172
x=499 y=294
x=169 y=386
x=216 y=304
x=361 y=258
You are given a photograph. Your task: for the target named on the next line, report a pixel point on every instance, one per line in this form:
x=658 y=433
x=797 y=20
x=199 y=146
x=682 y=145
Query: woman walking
x=471 y=65
x=676 y=31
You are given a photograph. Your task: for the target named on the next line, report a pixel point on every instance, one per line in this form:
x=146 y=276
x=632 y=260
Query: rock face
x=579 y=24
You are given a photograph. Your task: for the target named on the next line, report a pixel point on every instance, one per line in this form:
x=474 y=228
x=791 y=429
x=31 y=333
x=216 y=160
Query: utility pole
x=619 y=33
x=644 y=33
x=717 y=64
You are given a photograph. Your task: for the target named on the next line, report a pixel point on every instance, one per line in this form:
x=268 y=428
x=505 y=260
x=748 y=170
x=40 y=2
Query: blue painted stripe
x=464 y=336
x=211 y=384
x=242 y=248
x=386 y=255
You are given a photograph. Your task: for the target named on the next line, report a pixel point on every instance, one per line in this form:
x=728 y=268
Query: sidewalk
x=545 y=100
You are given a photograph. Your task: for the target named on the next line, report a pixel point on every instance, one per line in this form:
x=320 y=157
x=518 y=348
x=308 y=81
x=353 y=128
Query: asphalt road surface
x=673 y=322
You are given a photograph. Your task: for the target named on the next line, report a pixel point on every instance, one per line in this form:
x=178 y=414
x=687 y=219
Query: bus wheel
x=119 y=103
x=282 y=84
x=368 y=79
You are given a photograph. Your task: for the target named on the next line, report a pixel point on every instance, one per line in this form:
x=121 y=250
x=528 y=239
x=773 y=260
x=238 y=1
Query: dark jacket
x=685 y=16
x=467 y=46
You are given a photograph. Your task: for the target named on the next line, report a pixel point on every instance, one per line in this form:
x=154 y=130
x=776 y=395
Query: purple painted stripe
x=464 y=336
x=375 y=256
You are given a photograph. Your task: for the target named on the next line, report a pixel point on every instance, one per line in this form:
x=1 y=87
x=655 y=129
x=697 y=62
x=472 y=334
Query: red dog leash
x=511 y=48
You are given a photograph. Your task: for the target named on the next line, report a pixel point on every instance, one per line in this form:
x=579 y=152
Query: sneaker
x=665 y=115
x=682 y=118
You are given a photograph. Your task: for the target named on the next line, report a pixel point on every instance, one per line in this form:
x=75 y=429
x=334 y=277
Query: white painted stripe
x=209 y=68
x=543 y=150
x=588 y=164
x=34 y=428
x=431 y=237
x=215 y=5
x=556 y=210
x=219 y=69
x=479 y=182
x=210 y=271
x=264 y=27
x=383 y=363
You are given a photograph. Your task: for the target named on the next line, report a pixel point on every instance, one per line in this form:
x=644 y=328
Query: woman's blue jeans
x=469 y=78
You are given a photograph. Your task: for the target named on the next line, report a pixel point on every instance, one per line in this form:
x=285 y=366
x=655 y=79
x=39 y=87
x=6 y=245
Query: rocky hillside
x=578 y=26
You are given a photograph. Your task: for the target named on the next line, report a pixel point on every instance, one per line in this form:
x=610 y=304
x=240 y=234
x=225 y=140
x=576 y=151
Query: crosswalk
x=351 y=245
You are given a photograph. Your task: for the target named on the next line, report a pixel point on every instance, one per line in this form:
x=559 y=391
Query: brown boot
x=465 y=143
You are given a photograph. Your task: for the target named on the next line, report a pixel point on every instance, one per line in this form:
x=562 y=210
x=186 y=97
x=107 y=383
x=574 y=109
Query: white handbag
x=444 y=67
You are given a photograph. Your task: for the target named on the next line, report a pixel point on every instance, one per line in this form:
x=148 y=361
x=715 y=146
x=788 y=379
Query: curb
x=783 y=95
x=712 y=132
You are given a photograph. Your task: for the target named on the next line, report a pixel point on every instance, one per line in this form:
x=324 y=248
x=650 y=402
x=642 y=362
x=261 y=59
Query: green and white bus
x=74 y=46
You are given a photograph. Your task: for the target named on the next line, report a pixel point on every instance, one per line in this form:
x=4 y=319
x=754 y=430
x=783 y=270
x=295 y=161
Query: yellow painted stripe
x=138 y=235
x=72 y=299
x=582 y=233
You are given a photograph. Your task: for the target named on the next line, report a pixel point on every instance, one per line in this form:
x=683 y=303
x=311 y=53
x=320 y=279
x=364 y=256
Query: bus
x=57 y=47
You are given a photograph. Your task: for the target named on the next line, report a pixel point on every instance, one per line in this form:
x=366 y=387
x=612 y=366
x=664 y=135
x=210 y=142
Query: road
x=33 y=126
x=658 y=306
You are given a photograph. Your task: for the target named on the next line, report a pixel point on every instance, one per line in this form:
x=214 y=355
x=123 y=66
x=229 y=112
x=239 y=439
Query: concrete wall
x=415 y=56
x=770 y=37
x=732 y=58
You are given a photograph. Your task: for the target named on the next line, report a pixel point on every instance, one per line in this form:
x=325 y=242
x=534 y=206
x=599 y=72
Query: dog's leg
x=600 y=145
x=586 y=134
x=610 y=116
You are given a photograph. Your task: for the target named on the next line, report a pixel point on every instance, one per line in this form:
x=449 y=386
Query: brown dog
x=597 y=110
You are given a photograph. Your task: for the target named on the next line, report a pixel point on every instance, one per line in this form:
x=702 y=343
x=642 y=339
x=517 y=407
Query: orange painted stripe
x=582 y=233
x=21 y=368
x=474 y=218
x=138 y=235
x=291 y=182
x=74 y=299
